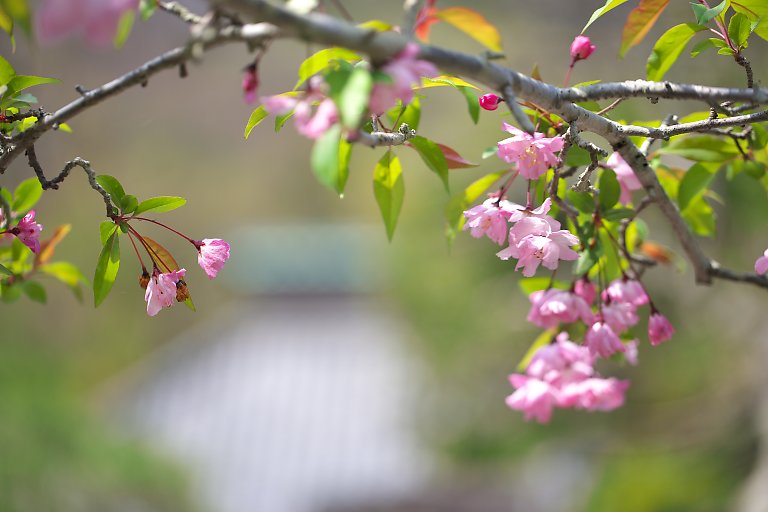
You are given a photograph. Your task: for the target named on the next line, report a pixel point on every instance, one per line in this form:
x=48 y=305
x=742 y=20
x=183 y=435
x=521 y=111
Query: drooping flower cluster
x=532 y=154
x=97 y=21
x=310 y=121
x=405 y=70
x=562 y=374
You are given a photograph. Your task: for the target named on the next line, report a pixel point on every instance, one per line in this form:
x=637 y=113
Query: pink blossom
x=250 y=83
x=551 y=307
x=619 y=315
x=561 y=362
x=594 y=394
x=490 y=218
x=161 y=290
x=585 y=289
x=533 y=154
x=212 y=253
x=626 y=290
x=97 y=20
x=405 y=70
x=519 y=212
x=311 y=125
x=28 y=232
x=532 y=242
x=533 y=397
x=626 y=177
x=581 y=48
x=630 y=352
x=761 y=265
x=489 y=101
x=659 y=328
x=602 y=340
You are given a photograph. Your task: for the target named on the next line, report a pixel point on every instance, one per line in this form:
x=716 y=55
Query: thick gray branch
x=667 y=90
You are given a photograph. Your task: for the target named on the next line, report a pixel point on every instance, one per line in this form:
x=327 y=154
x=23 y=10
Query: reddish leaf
x=161 y=256
x=473 y=24
x=425 y=20
x=657 y=252
x=454 y=159
x=640 y=20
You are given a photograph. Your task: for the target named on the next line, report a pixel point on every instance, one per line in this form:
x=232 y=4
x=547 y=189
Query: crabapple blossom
x=28 y=232
x=533 y=154
x=311 y=125
x=490 y=218
x=594 y=394
x=659 y=328
x=585 y=289
x=212 y=253
x=761 y=265
x=405 y=70
x=602 y=340
x=626 y=177
x=250 y=83
x=161 y=290
x=532 y=242
x=630 y=352
x=534 y=397
x=489 y=101
x=626 y=290
x=561 y=362
x=552 y=307
x=581 y=48
x=619 y=315
x=96 y=20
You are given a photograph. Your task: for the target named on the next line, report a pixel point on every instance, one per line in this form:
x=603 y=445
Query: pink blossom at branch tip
x=626 y=290
x=490 y=218
x=489 y=101
x=405 y=70
x=585 y=289
x=96 y=20
x=594 y=394
x=659 y=328
x=532 y=242
x=626 y=177
x=533 y=154
x=581 y=48
x=161 y=290
x=619 y=315
x=250 y=84
x=212 y=253
x=534 y=397
x=28 y=232
x=602 y=341
x=761 y=265
x=552 y=307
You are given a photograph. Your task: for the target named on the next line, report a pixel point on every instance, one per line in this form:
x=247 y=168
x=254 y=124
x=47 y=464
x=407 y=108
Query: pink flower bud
x=581 y=48
x=250 y=84
x=659 y=328
x=489 y=101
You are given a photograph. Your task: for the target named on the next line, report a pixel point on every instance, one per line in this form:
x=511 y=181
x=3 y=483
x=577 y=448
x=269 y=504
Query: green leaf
x=431 y=154
x=128 y=204
x=528 y=285
x=345 y=154
x=147 y=9
x=758 y=139
x=609 y=5
x=700 y=217
x=587 y=260
x=124 y=26
x=542 y=340
x=112 y=186
x=389 y=190
x=325 y=159
x=701 y=148
x=34 y=291
x=6 y=72
x=473 y=105
x=668 y=48
x=5 y=270
x=610 y=190
x=160 y=204
x=757 y=12
x=353 y=100
x=409 y=114
x=640 y=20
x=106 y=269
x=739 y=29
x=20 y=82
x=712 y=42
x=26 y=195
x=465 y=88
x=281 y=120
x=10 y=293
x=693 y=184
x=583 y=201
x=257 y=116
x=458 y=203
x=577 y=157
x=705 y=15
x=322 y=60
x=106 y=229
x=617 y=214
x=65 y=272
x=726 y=51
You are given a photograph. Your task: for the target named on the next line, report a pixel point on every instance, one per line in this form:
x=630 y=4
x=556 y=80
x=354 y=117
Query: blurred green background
x=687 y=439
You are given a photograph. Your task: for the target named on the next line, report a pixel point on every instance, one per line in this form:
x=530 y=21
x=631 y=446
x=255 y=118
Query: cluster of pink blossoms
x=534 y=238
x=404 y=69
x=163 y=290
x=96 y=20
x=562 y=375
x=533 y=154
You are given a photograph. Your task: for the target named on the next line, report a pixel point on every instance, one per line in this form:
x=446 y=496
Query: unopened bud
x=489 y=101
x=581 y=48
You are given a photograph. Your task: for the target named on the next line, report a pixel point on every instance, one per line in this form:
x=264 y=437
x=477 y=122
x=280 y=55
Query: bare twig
x=376 y=138
x=181 y=11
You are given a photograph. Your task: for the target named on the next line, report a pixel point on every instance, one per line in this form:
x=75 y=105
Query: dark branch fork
x=270 y=22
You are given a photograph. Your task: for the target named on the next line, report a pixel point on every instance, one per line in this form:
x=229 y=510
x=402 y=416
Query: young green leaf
x=160 y=204
x=26 y=195
x=257 y=116
x=20 y=82
x=68 y=274
x=610 y=190
x=147 y=9
x=323 y=60
x=757 y=12
x=389 y=190
x=124 y=26
x=668 y=48
x=353 y=100
x=112 y=186
x=6 y=71
x=701 y=148
x=583 y=201
x=106 y=229
x=609 y=5
x=128 y=204
x=739 y=29
x=542 y=340
x=106 y=269
x=34 y=291
x=5 y=270
x=618 y=214
x=712 y=42
x=705 y=15
x=640 y=20
x=409 y=114
x=325 y=159
x=693 y=184
x=433 y=156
